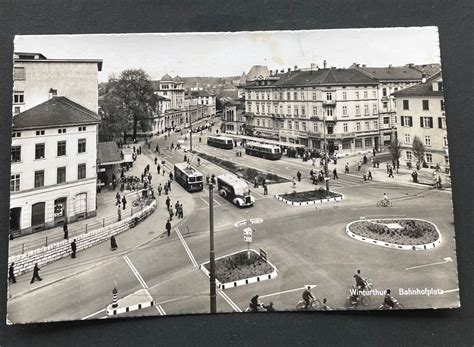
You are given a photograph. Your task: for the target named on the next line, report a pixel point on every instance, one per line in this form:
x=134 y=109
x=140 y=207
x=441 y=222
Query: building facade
x=233 y=119
x=304 y=107
x=37 y=79
x=53 y=165
x=421 y=112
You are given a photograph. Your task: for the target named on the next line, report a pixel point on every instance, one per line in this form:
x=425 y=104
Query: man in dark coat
x=73 y=248
x=298 y=175
x=168 y=202
x=113 y=243
x=124 y=202
x=66 y=232
x=36 y=274
x=168 y=228
x=11 y=273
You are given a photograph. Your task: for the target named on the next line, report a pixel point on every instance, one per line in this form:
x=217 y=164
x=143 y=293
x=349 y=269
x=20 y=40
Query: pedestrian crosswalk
x=344 y=181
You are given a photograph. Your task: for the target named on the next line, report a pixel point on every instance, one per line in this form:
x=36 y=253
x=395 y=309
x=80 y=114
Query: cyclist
x=308 y=297
x=388 y=300
x=385 y=200
x=360 y=281
x=255 y=303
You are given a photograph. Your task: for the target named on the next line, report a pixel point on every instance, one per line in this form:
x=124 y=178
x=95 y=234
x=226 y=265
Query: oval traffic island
x=309 y=197
x=241 y=268
x=397 y=233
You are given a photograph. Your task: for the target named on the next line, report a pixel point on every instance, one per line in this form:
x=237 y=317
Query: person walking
x=255 y=184
x=113 y=243
x=176 y=207
x=158 y=167
x=124 y=202
x=156 y=160
x=181 y=213
x=11 y=273
x=265 y=189
x=171 y=176
x=390 y=172
x=166 y=188
x=298 y=174
x=359 y=165
x=66 y=232
x=370 y=175
x=73 y=248
x=159 y=189
x=171 y=213
x=168 y=228
x=334 y=173
x=168 y=203
x=346 y=169
x=36 y=275
x=119 y=213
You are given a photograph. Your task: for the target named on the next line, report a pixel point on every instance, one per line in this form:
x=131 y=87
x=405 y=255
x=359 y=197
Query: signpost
x=248 y=237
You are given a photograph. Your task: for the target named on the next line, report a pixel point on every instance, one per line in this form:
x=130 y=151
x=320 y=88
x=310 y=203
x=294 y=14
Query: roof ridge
x=75 y=105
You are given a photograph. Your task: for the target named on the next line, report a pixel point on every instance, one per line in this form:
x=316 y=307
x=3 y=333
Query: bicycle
x=384 y=203
x=314 y=304
x=396 y=306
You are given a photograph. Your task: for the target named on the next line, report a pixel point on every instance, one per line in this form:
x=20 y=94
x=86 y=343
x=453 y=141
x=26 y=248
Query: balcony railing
x=329 y=102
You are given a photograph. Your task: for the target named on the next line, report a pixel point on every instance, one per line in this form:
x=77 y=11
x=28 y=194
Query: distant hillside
x=204 y=81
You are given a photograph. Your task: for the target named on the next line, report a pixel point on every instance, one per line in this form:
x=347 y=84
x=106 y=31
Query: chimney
x=296 y=67
x=313 y=66
x=271 y=71
x=53 y=93
x=390 y=66
x=423 y=78
x=289 y=70
x=282 y=71
x=324 y=64
x=411 y=65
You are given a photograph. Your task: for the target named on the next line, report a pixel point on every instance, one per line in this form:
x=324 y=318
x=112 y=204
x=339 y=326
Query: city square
x=315 y=149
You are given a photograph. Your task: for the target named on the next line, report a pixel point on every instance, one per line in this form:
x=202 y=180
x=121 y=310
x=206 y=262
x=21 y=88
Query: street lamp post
x=212 y=275
x=326 y=155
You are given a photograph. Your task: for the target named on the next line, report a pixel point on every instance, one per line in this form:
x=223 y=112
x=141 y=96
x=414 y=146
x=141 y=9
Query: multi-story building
x=392 y=79
x=37 y=79
x=205 y=98
x=303 y=107
x=53 y=165
x=420 y=109
x=233 y=118
x=172 y=89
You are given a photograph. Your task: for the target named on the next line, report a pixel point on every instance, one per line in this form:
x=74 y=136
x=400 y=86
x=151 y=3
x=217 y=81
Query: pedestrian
x=163 y=172
x=440 y=186
x=36 y=275
x=148 y=168
x=169 y=185
x=66 y=232
x=213 y=179
x=168 y=203
x=156 y=160
x=181 y=213
x=158 y=168
x=199 y=161
x=141 y=178
x=73 y=248
x=114 y=184
x=149 y=177
x=185 y=158
x=311 y=173
x=334 y=173
x=176 y=206
x=171 y=176
x=113 y=243
x=293 y=183
x=168 y=228
x=370 y=175
x=124 y=202
x=298 y=174
x=265 y=189
x=365 y=160
x=119 y=212
x=388 y=167
x=390 y=172
x=200 y=138
x=346 y=168
x=207 y=179
x=133 y=149
x=118 y=198
x=313 y=159
x=359 y=165
x=159 y=189
x=373 y=151
x=11 y=273
x=255 y=184
x=171 y=213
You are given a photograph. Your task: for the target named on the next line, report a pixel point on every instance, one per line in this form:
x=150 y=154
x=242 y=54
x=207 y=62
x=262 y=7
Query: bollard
x=46 y=241
x=114 y=297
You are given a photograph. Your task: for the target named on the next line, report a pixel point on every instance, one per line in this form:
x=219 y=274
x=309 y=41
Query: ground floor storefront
x=40 y=209
x=433 y=158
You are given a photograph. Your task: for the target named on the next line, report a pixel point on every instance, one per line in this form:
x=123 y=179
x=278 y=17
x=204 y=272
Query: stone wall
x=45 y=255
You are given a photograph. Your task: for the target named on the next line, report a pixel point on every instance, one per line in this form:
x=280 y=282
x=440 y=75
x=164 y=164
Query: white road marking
x=283 y=292
x=186 y=248
x=93 y=314
x=445 y=260
x=143 y=283
x=451 y=290
x=382 y=215
x=229 y=301
x=204 y=200
x=216 y=202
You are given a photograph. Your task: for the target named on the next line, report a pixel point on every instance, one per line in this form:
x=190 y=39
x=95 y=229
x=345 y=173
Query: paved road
x=307 y=245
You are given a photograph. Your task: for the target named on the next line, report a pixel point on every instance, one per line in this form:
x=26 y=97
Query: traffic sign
x=248 y=233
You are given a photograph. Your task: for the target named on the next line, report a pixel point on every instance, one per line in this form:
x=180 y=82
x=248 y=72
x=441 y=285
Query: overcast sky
x=230 y=54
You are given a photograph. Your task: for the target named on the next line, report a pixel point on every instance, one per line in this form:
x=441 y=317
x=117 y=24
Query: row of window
x=428 y=157
x=15 y=179
x=40 y=150
x=296 y=110
x=425 y=122
x=408 y=140
x=42 y=132
x=296 y=125
x=425 y=103
x=302 y=95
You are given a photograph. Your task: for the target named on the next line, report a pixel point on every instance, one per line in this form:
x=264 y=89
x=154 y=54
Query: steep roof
x=56 y=112
x=166 y=78
x=177 y=79
x=108 y=153
x=421 y=89
x=324 y=77
x=258 y=72
x=391 y=72
x=201 y=93
x=428 y=69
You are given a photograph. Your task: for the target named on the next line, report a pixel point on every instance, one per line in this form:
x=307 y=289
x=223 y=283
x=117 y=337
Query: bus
x=265 y=151
x=188 y=177
x=235 y=190
x=221 y=142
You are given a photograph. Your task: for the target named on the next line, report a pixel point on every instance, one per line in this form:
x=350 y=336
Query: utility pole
x=326 y=155
x=212 y=276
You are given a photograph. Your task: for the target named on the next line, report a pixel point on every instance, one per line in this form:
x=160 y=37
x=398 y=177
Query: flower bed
x=310 y=195
x=238 y=266
x=247 y=173
x=413 y=232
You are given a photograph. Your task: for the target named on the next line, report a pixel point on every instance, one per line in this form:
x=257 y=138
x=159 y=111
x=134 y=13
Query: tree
x=418 y=150
x=114 y=118
x=395 y=148
x=129 y=103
